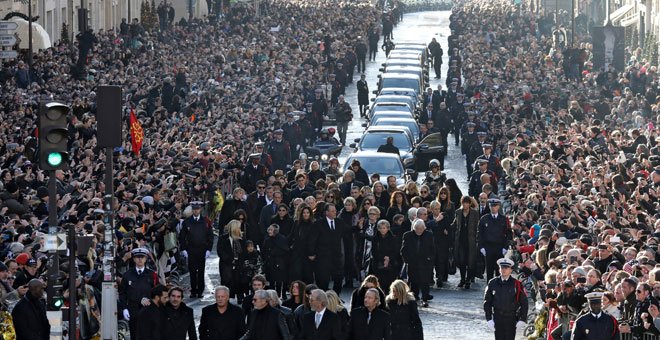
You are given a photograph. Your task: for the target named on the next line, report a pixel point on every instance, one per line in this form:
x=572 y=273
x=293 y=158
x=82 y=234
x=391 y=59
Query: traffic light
x=55 y=295
x=53 y=136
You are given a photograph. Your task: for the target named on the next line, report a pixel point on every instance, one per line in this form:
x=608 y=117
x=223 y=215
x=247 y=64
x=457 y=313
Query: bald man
x=29 y=315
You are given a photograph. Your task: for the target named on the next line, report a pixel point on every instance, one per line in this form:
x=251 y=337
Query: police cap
x=196 y=204
x=594 y=297
x=505 y=262
x=494 y=201
x=140 y=252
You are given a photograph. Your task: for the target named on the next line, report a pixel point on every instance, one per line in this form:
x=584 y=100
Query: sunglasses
x=424 y=191
x=261 y=187
x=331 y=196
x=640 y=291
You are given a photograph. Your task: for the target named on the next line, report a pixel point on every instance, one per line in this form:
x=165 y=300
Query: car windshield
x=403 y=108
x=373 y=140
x=410 y=124
x=380 y=165
x=401 y=82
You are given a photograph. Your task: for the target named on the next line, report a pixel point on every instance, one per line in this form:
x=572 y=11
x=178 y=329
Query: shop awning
x=633 y=20
x=620 y=13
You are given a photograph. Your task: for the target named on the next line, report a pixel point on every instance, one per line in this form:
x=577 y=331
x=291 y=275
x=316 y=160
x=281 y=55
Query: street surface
x=453 y=313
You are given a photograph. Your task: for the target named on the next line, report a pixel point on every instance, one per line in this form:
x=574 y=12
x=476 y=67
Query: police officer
x=596 y=324
x=279 y=150
x=135 y=288
x=493 y=161
x=494 y=235
x=505 y=303
x=253 y=173
x=196 y=245
x=475 y=150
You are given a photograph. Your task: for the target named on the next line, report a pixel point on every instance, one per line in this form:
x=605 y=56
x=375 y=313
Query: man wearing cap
x=505 y=303
x=493 y=161
x=28 y=270
x=494 y=235
x=292 y=134
x=135 y=288
x=196 y=244
x=475 y=186
x=596 y=324
x=253 y=172
x=279 y=150
x=475 y=150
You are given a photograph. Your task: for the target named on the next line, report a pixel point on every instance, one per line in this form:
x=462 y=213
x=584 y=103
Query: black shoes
x=461 y=284
x=428 y=298
x=467 y=285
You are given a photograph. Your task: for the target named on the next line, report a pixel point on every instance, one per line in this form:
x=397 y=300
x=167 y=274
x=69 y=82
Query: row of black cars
x=401 y=84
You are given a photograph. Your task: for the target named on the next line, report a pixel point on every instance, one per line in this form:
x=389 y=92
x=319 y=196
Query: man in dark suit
x=302 y=188
x=428 y=97
x=324 y=249
x=29 y=315
x=438 y=97
x=253 y=173
x=370 y=322
x=320 y=323
x=196 y=244
x=427 y=114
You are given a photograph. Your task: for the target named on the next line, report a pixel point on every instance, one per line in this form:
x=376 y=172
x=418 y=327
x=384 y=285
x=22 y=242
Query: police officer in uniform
x=135 y=288
x=253 y=173
x=475 y=150
x=196 y=245
x=505 y=303
x=596 y=324
x=494 y=235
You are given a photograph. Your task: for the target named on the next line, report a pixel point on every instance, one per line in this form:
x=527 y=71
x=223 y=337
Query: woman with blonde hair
x=231 y=249
x=335 y=305
x=404 y=316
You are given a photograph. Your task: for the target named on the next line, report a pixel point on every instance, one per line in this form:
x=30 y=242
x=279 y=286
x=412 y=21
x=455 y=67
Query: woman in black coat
x=398 y=205
x=385 y=262
x=231 y=249
x=276 y=253
x=465 y=239
x=455 y=194
x=443 y=233
x=357 y=297
x=299 y=266
x=349 y=215
x=404 y=316
x=283 y=220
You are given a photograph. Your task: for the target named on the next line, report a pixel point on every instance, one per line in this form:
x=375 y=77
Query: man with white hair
x=222 y=320
x=266 y=322
x=418 y=250
x=321 y=323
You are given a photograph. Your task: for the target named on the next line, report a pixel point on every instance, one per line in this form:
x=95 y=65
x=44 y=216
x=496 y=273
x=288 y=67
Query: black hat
x=196 y=204
x=494 y=201
x=42 y=192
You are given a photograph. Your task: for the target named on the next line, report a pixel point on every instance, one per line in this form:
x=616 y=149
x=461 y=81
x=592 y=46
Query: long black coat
x=378 y=328
x=329 y=329
x=406 y=324
x=326 y=245
x=462 y=251
x=179 y=323
x=419 y=259
x=151 y=320
x=227 y=326
x=276 y=257
x=443 y=232
x=382 y=246
x=30 y=321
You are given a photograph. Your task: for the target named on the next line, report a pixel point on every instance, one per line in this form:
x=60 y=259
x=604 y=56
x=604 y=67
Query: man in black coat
x=389 y=147
x=151 y=319
x=196 y=245
x=418 y=251
x=221 y=320
x=324 y=249
x=180 y=320
x=253 y=173
x=361 y=54
x=436 y=52
x=370 y=322
x=266 y=322
x=29 y=314
x=320 y=323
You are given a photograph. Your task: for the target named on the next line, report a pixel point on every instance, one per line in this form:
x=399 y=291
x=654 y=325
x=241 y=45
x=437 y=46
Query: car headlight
x=324 y=157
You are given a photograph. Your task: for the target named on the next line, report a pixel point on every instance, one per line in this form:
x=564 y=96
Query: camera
x=581 y=280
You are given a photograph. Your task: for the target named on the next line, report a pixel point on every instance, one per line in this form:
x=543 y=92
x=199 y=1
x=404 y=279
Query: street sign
x=55 y=242
x=7 y=40
x=8 y=25
x=8 y=54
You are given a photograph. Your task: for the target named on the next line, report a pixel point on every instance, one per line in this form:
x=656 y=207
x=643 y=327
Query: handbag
x=170 y=241
x=451 y=263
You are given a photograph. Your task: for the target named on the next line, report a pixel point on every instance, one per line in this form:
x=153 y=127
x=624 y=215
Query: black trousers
x=196 y=266
x=360 y=64
x=441 y=274
x=372 y=53
x=325 y=271
x=457 y=132
x=492 y=255
x=437 y=68
x=505 y=327
x=418 y=287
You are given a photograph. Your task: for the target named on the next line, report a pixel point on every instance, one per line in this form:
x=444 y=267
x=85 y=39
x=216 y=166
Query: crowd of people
x=562 y=170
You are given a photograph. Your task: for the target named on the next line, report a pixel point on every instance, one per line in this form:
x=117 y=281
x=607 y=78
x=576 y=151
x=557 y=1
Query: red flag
x=137 y=134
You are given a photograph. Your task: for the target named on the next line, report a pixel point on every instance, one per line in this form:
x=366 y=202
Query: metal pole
x=556 y=14
x=573 y=23
x=109 y=291
x=72 y=282
x=29 y=37
x=608 y=22
x=129 y=12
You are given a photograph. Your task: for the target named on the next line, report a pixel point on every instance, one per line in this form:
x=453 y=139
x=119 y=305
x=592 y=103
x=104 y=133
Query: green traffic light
x=58 y=303
x=54 y=159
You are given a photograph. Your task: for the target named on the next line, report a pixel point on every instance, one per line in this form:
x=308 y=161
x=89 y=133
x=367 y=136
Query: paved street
x=453 y=313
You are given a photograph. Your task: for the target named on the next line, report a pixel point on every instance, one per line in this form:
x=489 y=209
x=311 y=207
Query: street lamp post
x=29 y=36
x=573 y=23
